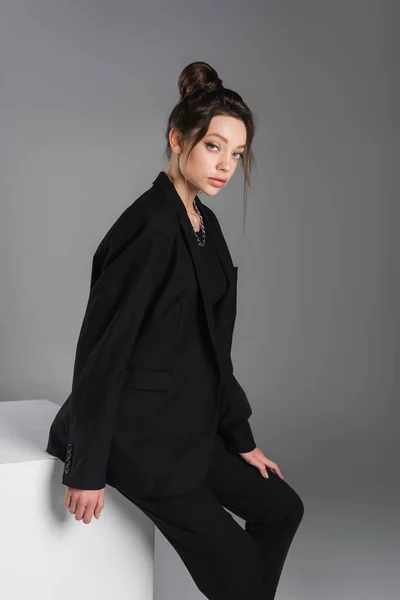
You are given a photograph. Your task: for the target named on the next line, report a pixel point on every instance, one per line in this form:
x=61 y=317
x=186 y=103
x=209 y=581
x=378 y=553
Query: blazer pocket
x=148 y=379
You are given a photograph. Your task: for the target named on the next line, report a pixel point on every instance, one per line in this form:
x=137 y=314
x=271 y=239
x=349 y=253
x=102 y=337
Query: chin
x=210 y=190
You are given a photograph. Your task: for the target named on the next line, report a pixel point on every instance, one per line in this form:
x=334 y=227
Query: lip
x=217 y=182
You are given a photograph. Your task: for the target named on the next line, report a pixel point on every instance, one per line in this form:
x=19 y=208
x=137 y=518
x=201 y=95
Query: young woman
x=155 y=409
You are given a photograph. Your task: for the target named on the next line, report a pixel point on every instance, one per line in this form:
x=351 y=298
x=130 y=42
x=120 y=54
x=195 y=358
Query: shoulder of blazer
x=208 y=212
x=213 y=217
x=146 y=218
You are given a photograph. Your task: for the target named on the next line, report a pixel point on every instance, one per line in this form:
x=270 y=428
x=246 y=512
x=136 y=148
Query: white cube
x=45 y=552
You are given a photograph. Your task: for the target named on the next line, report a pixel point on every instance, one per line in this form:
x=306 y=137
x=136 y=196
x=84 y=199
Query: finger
x=263 y=471
x=276 y=470
x=80 y=511
x=73 y=506
x=98 y=508
x=87 y=517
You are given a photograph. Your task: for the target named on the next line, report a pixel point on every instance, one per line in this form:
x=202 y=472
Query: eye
x=208 y=144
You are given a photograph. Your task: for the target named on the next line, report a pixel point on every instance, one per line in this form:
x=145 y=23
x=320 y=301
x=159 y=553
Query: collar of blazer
x=176 y=204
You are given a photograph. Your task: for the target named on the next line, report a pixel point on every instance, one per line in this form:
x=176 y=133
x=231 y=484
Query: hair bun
x=196 y=76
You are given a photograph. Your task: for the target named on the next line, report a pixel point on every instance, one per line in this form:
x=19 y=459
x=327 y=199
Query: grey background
x=85 y=91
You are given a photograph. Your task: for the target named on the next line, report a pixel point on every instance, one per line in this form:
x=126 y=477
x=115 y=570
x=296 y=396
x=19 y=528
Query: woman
x=155 y=409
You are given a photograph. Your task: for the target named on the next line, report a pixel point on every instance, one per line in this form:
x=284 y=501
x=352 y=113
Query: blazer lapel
x=219 y=241
x=176 y=203
x=223 y=252
x=187 y=229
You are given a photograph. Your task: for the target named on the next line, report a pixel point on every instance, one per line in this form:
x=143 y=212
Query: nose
x=224 y=166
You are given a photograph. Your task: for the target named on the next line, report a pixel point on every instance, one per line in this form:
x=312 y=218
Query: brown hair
x=203 y=97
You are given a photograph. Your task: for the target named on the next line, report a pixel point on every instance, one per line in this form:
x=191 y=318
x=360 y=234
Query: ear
x=175 y=140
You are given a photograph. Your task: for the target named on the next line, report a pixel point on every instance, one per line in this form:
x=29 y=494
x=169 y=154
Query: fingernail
x=266 y=475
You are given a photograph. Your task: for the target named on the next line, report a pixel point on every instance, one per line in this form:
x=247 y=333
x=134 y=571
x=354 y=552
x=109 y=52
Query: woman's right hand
x=84 y=503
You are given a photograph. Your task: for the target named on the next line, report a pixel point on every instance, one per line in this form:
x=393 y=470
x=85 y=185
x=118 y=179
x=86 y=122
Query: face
x=216 y=155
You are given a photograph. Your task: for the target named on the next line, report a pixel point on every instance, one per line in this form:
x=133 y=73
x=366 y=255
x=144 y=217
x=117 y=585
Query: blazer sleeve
x=123 y=288
x=233 y=423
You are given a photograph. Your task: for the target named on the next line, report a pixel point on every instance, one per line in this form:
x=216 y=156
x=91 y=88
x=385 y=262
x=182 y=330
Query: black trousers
x=225 y=560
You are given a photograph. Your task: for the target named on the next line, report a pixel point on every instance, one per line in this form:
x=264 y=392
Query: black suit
x=150 y=349
x=155 y=410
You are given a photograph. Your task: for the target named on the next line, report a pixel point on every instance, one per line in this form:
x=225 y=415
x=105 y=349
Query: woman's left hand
x=257 y=459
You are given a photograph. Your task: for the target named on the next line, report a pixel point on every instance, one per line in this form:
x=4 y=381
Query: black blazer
x=153 y=379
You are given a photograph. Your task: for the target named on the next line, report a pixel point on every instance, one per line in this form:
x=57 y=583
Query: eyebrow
x=225 y=140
